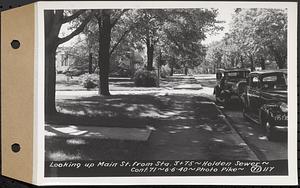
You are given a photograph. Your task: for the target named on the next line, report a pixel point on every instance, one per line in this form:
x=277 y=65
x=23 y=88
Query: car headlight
x=284 y=107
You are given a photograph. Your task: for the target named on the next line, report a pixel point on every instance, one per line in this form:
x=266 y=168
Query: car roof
x=270 y=71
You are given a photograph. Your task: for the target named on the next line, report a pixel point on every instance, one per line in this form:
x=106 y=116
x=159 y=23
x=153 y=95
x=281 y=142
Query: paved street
x=179 y=121
x=253 y=135
x=249 y=131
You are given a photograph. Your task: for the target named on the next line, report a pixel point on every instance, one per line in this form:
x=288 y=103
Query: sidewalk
x=184 y=127
x=116 y=133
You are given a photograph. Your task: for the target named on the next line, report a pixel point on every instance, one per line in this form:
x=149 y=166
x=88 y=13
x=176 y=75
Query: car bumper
x=279 y=128
x=280 y=122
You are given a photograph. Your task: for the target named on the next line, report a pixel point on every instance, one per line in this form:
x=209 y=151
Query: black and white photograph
x=166 y=91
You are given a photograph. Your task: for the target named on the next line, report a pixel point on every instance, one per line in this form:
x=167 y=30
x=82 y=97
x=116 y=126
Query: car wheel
x=268 y=130
x=218 y=99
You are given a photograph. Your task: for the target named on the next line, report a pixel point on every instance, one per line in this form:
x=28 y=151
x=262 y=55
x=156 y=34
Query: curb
x=233 y=129
x=259 y=154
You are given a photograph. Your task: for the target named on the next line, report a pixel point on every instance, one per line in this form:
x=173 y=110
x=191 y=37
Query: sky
x=224 y=15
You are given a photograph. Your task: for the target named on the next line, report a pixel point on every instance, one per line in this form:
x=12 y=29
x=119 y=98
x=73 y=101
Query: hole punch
x=15 y=44
x=16 y=147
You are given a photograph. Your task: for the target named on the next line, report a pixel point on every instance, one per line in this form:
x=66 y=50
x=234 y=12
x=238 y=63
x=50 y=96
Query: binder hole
x=15 y=44
x=16 y=147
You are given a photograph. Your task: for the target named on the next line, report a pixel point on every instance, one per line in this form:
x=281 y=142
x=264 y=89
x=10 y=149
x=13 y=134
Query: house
x=64 y=59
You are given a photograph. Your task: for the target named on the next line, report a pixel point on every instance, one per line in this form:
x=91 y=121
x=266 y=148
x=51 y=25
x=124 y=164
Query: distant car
x=265 y=101
x=230 y=83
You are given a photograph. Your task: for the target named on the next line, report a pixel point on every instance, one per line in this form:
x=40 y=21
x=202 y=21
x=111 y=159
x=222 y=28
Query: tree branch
x=72 y=17
x=76 y=31
x=120 y=40
x=118 y=17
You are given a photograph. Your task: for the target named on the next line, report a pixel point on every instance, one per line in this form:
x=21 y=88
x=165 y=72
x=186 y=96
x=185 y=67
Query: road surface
x=250 y=132
x=182 y=120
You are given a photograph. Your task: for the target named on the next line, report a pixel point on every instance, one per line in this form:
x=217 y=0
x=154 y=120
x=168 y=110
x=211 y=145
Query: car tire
x=217 y=96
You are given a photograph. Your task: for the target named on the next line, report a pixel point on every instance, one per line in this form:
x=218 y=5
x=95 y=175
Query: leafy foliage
x=256 y=35
x=145 y=78
x=89 y=81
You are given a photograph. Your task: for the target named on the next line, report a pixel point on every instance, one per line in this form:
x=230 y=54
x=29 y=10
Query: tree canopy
x=255 y=35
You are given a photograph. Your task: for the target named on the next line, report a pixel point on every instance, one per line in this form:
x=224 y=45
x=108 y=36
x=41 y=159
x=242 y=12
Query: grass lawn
x=65 y=83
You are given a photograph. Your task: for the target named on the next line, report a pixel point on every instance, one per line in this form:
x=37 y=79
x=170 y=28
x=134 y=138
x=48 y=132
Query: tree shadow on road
x=118 y=110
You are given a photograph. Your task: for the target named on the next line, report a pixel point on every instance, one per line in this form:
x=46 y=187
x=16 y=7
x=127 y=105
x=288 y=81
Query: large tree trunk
x=242 y=61
x=232 y=62
x=52 y=27
x=236 y=61
x=90 y=63
x=172 y=69
x=150 y=51
x=132 y=64
x=104 y=55
x=252 y=62
x=262 y=63
x=50 y=78
x=186 y=71
x=281 y=62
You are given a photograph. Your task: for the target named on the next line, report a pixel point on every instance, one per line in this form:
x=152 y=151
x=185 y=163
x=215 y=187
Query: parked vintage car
x=265 y=101
x=230 y=83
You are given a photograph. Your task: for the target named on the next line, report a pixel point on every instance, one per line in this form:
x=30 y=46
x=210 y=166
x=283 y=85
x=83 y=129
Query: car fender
x=217 y=90
x=268 y=111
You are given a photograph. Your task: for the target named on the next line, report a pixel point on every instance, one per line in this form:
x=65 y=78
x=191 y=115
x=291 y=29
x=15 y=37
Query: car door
x=254 y=94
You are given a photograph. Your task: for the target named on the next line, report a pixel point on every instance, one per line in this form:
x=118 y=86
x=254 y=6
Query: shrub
x=89 y=81
x=145 y=78
x=89 y=84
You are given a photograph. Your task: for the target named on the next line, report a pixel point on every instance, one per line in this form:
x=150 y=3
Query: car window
x=274 y=82
x=232 y=74
x=270 y=79
x=236 y=75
